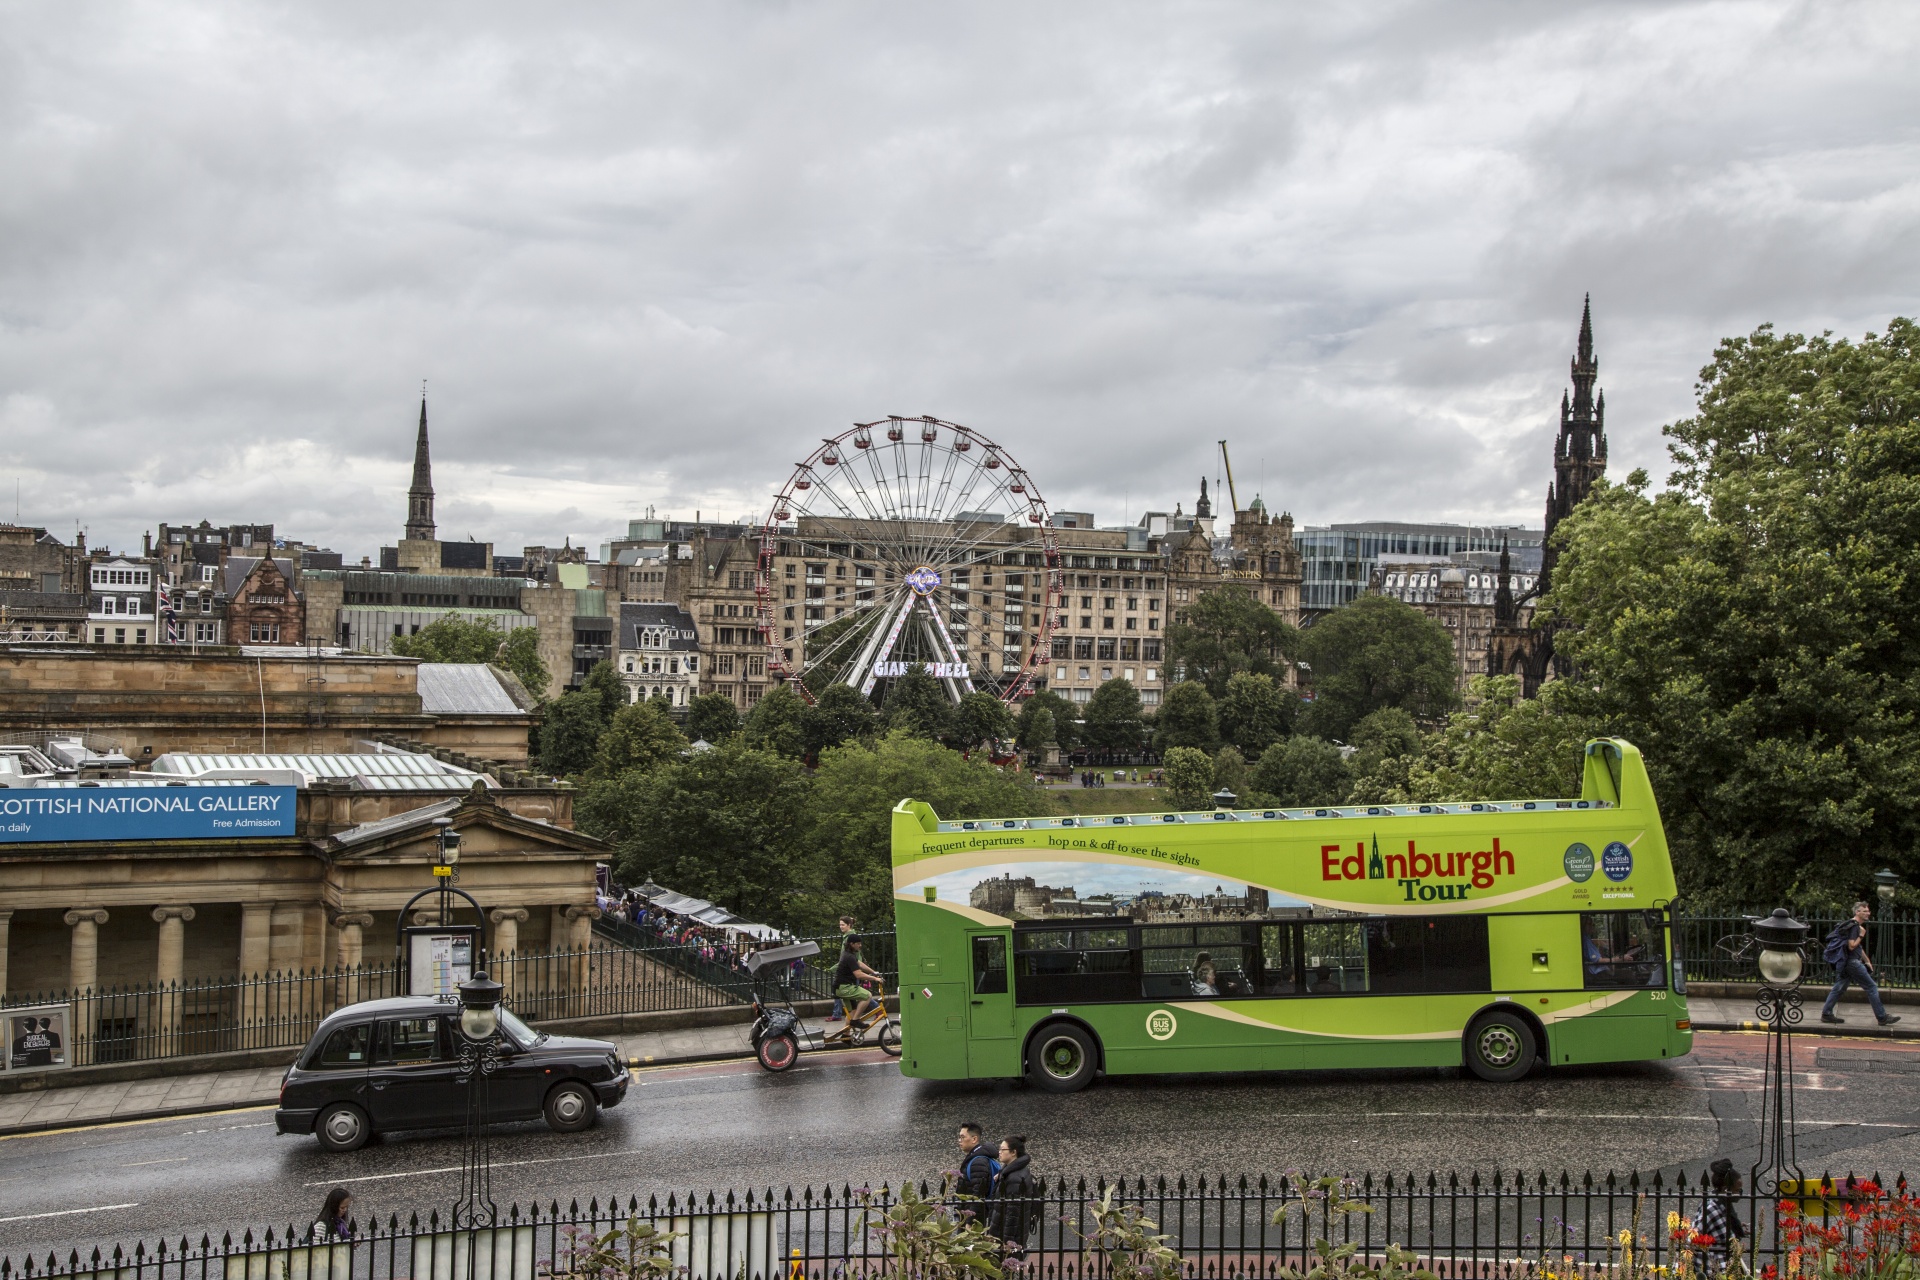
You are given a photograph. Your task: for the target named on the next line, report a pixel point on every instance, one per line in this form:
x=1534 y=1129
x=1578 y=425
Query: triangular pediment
x=486 y=831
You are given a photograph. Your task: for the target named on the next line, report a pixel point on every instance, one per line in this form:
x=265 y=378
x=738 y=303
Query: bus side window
x=1335 y=958
x=1623 y=949
x=1277 y=976
x=989 y=966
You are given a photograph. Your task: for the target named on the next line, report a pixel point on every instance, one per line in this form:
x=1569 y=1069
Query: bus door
x=991 y=1048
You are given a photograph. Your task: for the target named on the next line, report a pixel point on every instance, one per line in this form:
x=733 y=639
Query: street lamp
x=1781 y=962
x=1224 y=798
x=479 y=1059
x=1884 y=883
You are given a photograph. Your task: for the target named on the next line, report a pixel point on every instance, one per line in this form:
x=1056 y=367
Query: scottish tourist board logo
x=923 y=580
x=1617 y=861
x=1578 y=862
x=1161 y=1024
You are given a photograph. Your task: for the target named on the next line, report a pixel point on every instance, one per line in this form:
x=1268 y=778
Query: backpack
x=1836 y=950
x=980 y=1153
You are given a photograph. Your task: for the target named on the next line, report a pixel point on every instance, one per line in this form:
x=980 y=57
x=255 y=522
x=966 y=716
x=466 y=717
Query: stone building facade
x=80 y=916
x=263 y=606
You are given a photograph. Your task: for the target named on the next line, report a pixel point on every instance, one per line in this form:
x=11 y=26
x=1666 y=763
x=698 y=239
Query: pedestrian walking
x=1016 y=1209
x=840 y=1005
x=335 y=1221
x=1719 y=1217
x=1846 y=951
x=978 y=1168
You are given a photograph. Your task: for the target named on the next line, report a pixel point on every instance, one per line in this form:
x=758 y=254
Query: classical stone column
x=579 y=941
x=506 y=931
x=6 y=926
x=352 y=984
x=256 y=943
x=83 y=967
x=163 y=1018
x=83 y=974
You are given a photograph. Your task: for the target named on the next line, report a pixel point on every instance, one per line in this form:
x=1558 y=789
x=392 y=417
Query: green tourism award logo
x=1578 y=862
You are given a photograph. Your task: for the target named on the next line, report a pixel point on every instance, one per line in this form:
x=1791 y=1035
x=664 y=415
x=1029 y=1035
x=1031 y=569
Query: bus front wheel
x=1500 y=1047
x=1061 y=1058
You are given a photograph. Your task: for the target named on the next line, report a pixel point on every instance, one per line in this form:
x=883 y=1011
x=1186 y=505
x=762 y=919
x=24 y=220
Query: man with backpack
x=1846 y=951
x=978 y=1168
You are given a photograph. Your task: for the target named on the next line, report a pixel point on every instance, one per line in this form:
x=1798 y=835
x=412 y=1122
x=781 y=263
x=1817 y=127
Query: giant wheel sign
x=903 y=542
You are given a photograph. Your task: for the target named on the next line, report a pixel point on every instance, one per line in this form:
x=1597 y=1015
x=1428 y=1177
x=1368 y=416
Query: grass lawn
x=1074 y=798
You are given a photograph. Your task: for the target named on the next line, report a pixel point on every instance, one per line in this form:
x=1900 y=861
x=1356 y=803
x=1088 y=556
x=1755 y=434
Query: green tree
x=980 y=718
x=1386 y=742
x=570 y=730
x=917 y=703
x=777 y=723
x=1113 y=720
x=641 y=736
x=1040 y=730
x=1188 y=778
x=1256 y=712
x=605 y=684
x=1302 y=773
x=1230 y=771
x=1755 y=630
x=520 y=654
x=1065 y=721
x=1377 y=652
x=451 y=638
x=841 y=715
x=1227 y=631
x=1187 y=718
x=849 y=822
x=1503 y=747
x=712 y=717
x=720 y=824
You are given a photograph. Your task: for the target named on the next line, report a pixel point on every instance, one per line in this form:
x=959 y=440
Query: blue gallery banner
x=94 y=814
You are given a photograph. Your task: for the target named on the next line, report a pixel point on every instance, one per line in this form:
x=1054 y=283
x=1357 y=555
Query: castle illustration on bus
x=1498 y=936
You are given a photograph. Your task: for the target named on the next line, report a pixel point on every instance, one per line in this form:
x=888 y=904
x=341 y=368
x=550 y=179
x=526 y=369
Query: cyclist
x=846 y=979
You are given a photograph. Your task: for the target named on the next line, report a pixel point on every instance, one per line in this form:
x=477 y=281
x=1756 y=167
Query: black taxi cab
x=385 y=1065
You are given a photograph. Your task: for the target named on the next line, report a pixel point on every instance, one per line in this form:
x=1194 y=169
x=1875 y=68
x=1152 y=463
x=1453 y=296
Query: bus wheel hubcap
x=1062 y=1057
x=1499 y=1046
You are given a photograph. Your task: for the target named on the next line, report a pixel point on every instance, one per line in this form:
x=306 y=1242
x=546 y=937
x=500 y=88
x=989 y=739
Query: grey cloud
x=647 y=255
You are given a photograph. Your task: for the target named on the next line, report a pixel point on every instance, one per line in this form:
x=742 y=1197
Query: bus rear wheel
x=1061 y=1058
x=1500 y=1047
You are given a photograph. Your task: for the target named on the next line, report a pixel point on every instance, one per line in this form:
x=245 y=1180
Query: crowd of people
x=718 y=945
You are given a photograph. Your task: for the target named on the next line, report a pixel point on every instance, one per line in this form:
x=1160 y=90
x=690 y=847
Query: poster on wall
x=439 y=960
x=37 y=1038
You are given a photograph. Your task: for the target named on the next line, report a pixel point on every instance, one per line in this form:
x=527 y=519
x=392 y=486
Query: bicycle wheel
x=890 y=1038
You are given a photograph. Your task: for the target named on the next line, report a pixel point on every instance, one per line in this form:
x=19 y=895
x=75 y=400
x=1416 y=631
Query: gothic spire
x=1503 y=598
x=420 y=493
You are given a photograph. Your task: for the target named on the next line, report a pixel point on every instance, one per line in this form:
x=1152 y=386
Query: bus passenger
x=1206 y=978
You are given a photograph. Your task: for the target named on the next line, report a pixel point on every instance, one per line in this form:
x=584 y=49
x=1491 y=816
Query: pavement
x=850 y=1118
x=225 y=1090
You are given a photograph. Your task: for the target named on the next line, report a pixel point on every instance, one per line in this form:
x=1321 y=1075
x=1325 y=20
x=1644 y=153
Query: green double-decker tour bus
x=1495 y=935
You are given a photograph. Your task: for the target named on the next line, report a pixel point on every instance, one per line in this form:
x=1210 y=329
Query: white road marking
x=135 y=1164
x=454 y=1168
x=62 y=1213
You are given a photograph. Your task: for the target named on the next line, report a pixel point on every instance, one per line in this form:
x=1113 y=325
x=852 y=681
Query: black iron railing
x=1462 y=1226
x=1894 y=943
x=282 y=1010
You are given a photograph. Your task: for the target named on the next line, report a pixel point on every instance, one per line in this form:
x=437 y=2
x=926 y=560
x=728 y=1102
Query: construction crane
x=1227 y=462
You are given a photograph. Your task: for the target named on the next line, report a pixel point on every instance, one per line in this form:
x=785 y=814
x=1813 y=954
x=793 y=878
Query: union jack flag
x=164 y=594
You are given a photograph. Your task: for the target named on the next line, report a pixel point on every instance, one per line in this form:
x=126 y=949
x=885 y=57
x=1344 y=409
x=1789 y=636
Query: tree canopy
x=712 y=717
x=1187 y=718
x=452 y=638
x=1301 y=773
x=917 y=703
x=1255 y=712
x=841 y=715
x=1227 y=631
x=979 y=719
x=1376 y=652
x=1065 y=722
x=1113 y=717
x=777 y=723
x=640 y=736
x=570 y=729
x=1187 y=774
x=1755 y=630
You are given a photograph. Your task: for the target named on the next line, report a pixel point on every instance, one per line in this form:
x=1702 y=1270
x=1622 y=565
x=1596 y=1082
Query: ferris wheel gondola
x=896 y=544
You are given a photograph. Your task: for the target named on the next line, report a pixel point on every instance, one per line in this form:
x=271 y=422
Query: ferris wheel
x=908 y=541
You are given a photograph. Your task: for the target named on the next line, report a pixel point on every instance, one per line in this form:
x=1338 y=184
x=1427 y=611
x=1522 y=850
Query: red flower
x=1700 y=1240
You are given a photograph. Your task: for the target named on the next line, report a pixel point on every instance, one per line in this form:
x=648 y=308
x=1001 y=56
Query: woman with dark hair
x=1015 y=1215
x=1719 y=1218
x=335 y=1221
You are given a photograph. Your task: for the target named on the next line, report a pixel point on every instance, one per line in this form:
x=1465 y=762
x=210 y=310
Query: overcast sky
x=648 y=254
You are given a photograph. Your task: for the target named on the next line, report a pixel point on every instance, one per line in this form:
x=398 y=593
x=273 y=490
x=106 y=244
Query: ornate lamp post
x=1781 y=962
x=479 y=1058
x=1884 y=883
x=1224 y=798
